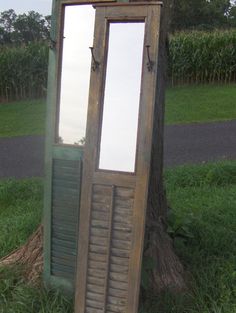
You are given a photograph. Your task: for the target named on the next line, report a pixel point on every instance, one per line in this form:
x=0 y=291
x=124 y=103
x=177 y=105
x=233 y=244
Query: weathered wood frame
x=52 y=149
x=150 y=13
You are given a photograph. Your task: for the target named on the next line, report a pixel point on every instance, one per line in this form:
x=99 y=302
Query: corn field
x=194 y=58
x=202 y=57
x=23 y=72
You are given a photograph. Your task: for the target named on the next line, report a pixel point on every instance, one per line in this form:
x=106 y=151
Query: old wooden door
x=116 y=164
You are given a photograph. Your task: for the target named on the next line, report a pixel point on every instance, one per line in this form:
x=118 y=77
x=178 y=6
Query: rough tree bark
x=168 y=273
x=30 y=256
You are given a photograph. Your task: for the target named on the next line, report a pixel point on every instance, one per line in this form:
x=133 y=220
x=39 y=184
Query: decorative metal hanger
x=150 y=63
x=95 y=63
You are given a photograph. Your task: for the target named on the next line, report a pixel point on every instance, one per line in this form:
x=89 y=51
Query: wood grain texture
x=109 y=249
x=113 y=204
x=148 y=96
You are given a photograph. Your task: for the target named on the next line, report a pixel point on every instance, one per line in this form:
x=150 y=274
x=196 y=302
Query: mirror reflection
x=75 y=75
x=121 y=98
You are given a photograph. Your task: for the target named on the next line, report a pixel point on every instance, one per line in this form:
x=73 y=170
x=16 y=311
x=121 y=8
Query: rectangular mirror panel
x=75 y=75
x=121 y=97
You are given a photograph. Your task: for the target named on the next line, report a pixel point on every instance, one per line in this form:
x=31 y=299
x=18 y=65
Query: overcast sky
x=23 y=6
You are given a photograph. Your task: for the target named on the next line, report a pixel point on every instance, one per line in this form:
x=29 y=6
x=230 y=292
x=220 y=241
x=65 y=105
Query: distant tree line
x=23 y=28
x=203 y=14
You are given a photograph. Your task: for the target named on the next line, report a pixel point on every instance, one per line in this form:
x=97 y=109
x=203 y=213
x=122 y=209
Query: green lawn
x=202 y=222
x=189 y=104
x=22 y=118
x=186 y=104
x=20 y=211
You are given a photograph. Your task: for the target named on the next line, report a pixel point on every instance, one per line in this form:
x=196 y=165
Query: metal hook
x=95 y=63
x=150 y=63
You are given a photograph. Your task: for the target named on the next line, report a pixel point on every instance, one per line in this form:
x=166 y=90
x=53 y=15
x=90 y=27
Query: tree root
x=168 y=274
x=30 y=256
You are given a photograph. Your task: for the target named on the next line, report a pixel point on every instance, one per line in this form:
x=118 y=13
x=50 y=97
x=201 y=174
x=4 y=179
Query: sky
x=23 y=6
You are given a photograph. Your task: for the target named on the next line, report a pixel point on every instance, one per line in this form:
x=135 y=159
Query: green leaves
x=200 y=14
x=203 y=57
x=23 y=71
x=23 y=28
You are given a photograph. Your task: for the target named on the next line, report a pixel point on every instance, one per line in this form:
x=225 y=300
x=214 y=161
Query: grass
x=203 y=225
x=209 y=103
x=186 y=104
x=22 y=118
x=18 y=297
x=20 y=214
x=202 y=222
x=20 y=211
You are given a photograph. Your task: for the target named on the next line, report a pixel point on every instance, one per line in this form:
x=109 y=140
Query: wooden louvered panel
x=65 y=211
x=118 y=293
x=99 y=242
x=63 y=217
x=95 y=288
x=59 y=230
x=63 y=274
x=59 y=163
x=94 y=296
x=91 y=310
x=120 y=251
x=66 y=183
x=64 y=243
x=109 y=249
x=62 y=250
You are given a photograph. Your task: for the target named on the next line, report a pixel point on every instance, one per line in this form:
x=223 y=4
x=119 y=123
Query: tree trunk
x=30 y=256
x=168 y=271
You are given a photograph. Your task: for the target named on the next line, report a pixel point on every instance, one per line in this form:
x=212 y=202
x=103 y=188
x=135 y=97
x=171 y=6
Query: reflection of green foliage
x=80 y=142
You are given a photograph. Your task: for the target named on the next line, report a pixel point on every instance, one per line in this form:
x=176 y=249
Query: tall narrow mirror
x=121 y=98
x=75 y=73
